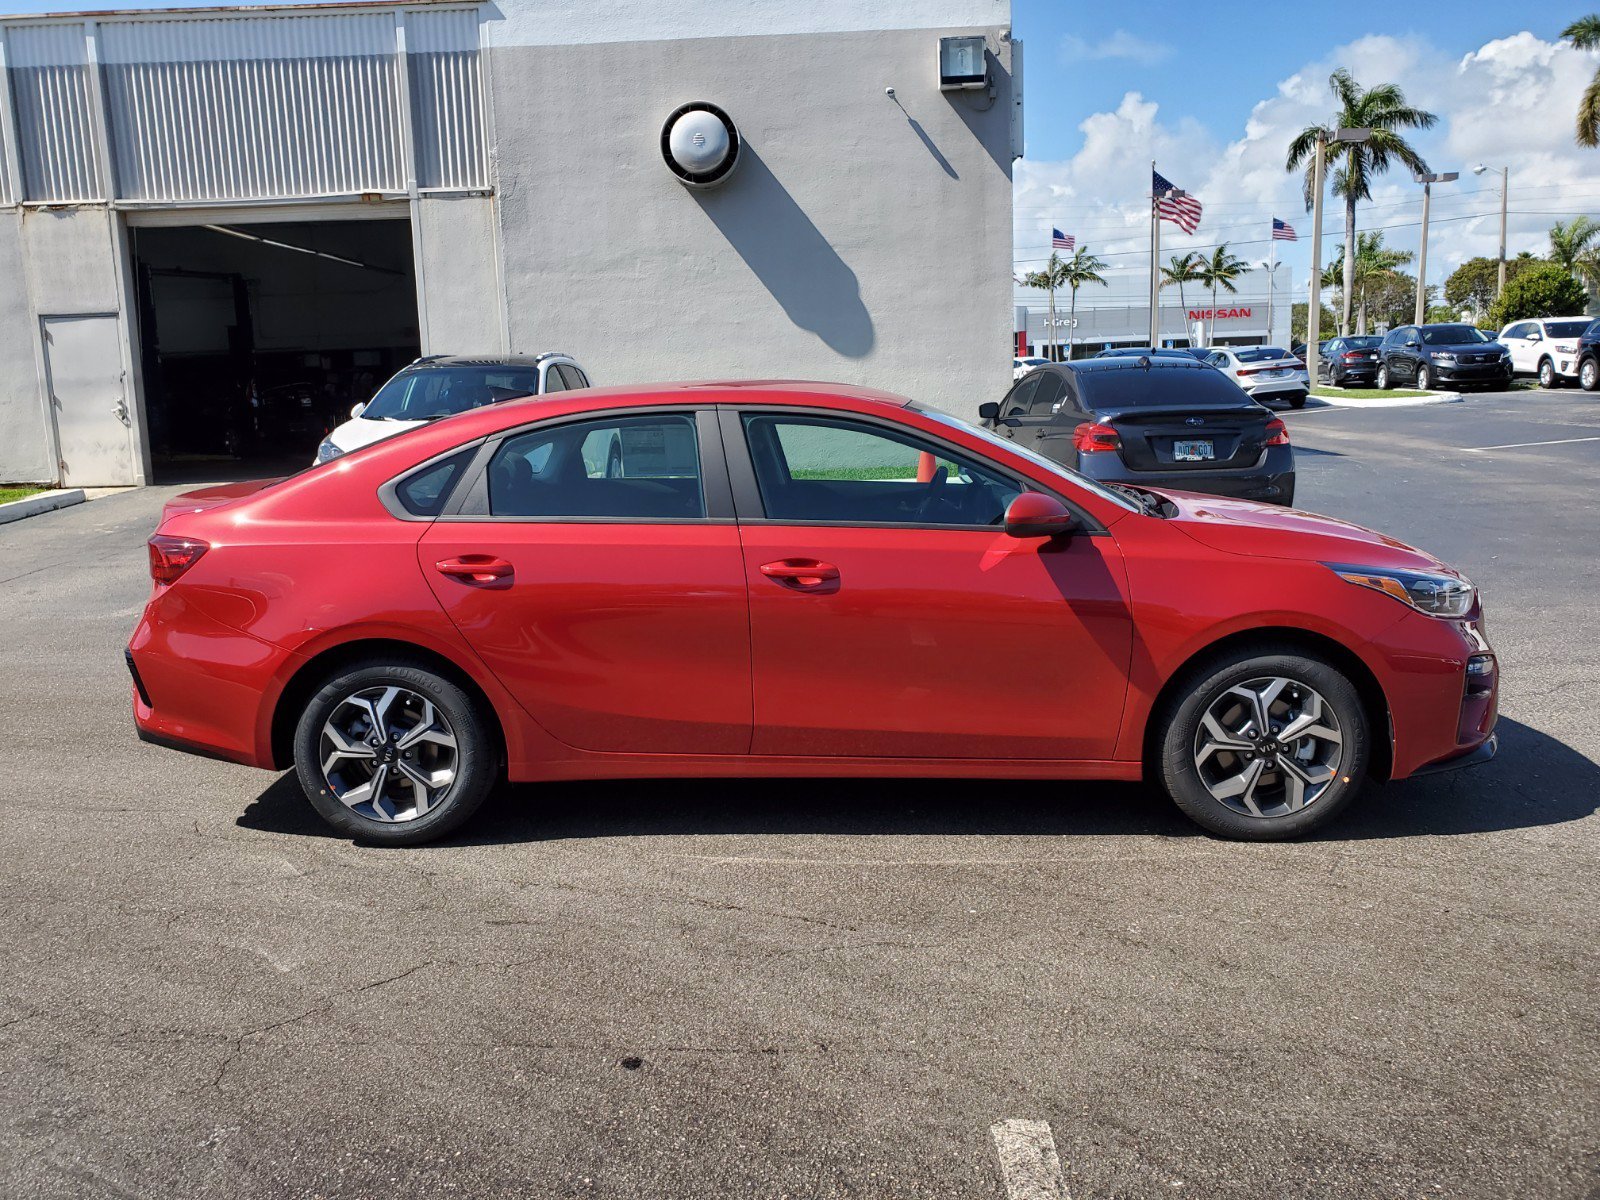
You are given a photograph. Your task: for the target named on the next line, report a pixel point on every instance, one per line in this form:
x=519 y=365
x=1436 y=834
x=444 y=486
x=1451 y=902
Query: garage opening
x=256 y=339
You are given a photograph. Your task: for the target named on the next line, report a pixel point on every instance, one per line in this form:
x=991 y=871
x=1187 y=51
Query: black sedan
x=1162 y=422
x=1442 y=355
x=1349 y=361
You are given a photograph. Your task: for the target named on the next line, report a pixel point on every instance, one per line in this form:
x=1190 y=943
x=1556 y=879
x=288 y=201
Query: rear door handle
x=482 y=569
x=801 y=574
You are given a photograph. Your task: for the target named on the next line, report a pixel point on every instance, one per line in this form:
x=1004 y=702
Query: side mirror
x=1536 y=337
x=988 y=411
x=1412 y=342
x=1035 y=515
x=357 y=410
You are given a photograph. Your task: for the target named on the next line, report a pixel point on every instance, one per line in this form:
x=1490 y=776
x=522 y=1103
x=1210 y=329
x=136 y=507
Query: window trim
x=751 y=510
x=470 y=503
x=389 y=490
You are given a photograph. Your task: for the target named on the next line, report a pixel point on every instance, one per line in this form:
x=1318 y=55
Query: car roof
x=483 y=360
x=1125 y=362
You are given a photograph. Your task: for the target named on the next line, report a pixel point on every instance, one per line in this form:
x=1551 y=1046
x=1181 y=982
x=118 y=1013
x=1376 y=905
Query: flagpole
x=1155 y=258
x=1272 y=273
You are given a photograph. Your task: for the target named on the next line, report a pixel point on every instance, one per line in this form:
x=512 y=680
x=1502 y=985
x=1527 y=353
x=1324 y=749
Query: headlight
x=327 y=452
x=1436 y=595
x=1443 y=356
x=1566 y=347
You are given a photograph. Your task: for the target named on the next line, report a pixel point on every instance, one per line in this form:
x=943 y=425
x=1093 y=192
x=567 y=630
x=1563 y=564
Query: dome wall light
x=700 y=144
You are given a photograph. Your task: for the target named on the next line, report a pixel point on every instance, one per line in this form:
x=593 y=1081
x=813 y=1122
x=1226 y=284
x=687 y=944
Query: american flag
x=1182 y=209
x=1282 y=231
x=1060 y=241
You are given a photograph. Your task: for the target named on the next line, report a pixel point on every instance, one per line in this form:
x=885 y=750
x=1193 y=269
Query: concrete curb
x=32 y=506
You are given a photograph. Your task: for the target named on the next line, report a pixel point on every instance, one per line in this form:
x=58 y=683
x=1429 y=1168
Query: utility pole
x=1314 y=302
x=1427 y=182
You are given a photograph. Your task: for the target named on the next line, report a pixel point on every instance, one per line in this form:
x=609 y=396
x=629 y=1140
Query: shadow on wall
x=989 y=120
x=790 y=256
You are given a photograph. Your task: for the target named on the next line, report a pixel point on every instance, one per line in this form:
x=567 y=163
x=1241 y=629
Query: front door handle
x=801 y=574
x=482 y=569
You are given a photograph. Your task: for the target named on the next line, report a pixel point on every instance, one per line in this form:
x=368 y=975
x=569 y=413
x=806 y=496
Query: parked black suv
x=1589 y=358
x=1426 y=355
x=1160 y=421
x=1349 y=361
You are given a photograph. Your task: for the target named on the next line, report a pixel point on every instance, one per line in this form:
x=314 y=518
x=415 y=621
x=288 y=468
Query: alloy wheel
x=1424 y=376
x=1589 y=375
x=1547 y=374
x=388 y=754
x=1268 y=747
x=1383 y=378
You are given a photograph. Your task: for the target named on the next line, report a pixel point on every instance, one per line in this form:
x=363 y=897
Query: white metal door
x=88 y=398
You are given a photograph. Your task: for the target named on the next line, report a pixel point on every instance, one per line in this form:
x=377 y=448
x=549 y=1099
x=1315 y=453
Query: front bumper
x=1440 y=715
x=1485 y=752
x=1471 y=372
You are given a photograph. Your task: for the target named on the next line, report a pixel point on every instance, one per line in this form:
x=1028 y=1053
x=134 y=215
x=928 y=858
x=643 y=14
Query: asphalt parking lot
x=767 y=989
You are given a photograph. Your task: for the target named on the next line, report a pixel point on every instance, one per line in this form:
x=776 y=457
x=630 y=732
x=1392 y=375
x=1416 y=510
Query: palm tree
x=1383 y=110
x=1220 y=270
x=1375 y=265
x=1078 y=271
x=1185 y=268
x=1570 y=246
x=1584 y=34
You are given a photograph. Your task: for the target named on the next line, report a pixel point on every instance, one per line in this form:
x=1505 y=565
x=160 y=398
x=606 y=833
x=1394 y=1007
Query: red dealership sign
x=1220 y=314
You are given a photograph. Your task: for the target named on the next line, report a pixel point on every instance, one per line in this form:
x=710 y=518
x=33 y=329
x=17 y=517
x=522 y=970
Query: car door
x=1027 y=427
x=1514 y=339
x=1014 y=408
x=890 y=615
x=1327 y=358
x=1054 y=439
x=594 y=565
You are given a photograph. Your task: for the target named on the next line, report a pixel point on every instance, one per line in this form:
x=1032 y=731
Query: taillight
x=1092 y=437
x=1277 y=433
x=1248 y=370
x=1353 y=356
x=170 y=556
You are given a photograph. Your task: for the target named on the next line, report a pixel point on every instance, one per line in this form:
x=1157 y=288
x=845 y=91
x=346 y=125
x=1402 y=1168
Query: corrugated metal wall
x=252 y=107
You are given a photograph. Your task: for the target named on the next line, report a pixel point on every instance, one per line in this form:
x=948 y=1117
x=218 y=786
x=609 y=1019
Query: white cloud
x=1118 y=44
x=1510 y=102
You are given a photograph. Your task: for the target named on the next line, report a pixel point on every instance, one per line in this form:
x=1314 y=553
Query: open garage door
x=256 y=339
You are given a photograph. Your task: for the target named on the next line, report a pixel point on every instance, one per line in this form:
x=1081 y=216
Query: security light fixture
x=700 y=144
x=1444 y=177
x=961 y=63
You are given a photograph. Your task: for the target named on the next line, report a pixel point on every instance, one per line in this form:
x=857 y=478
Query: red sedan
x=757 y=579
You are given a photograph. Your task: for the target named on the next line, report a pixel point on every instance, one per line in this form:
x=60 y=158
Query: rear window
x=424 y=492
x=1155 y=388
x=428 y=393
x=1566 y=329
x=1260 y=353
x=1368 y=342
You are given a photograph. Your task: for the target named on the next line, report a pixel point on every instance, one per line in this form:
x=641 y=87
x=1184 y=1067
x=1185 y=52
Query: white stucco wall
x=24 y=449
x=862 y=239
x=458 y=259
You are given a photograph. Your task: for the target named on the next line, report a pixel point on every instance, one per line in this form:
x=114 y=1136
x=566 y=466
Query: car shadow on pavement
x=1536 y=780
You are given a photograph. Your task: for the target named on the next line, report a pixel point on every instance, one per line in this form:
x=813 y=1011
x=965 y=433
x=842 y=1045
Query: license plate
x=1193 y=451
x=1276 y=373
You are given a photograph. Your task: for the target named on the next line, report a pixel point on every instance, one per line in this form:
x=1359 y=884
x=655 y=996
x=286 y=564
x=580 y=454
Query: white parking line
x=1028 y=1161
x=1525 y=445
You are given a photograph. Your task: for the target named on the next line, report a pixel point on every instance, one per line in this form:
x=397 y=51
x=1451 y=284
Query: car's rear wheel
x=1264 y=744
x=393 y=753
x=1297 y=399
x=1547 y=373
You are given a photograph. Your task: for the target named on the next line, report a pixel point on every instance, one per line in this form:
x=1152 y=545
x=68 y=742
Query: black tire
x=1589 y=374
x=1383 y=377
x=477 y=761
x=1298 y=400
x=1424 y=377
x=1180 y=721
x=1547 y=374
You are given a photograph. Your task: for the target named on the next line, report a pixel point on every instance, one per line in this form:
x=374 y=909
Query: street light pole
x=1505 y=188
x=1314 y=296
x=1427 y=182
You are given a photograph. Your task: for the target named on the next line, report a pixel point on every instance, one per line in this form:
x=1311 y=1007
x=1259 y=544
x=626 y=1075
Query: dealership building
x=221 y=228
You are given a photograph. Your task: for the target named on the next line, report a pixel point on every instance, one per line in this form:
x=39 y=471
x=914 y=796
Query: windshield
x=427 y=393
x=1565 y=329
x=1452 y=335
x=1039 y=460
x=1158 y=387
x=1259 y=353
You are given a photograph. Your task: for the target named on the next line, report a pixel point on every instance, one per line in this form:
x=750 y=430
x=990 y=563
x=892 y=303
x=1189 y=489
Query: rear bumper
x=1287 y=386
x=201 y=686
x=1271 y=480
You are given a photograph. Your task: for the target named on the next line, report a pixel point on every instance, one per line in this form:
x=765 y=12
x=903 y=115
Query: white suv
x=1547 y=347
x=441 y=386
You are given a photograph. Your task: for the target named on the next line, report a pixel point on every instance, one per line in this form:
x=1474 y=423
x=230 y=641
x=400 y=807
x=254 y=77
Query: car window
x=572 y=377
x=1593 y=332
x=1565 y=329
x=1519 y=331
x=617 y=468
x=1046 y=396
x=1109 y=391
x=1017 y=402
x=429 y=392
x=423 y=494
x=831 y=470
x=552 y=379
x=1252 y=354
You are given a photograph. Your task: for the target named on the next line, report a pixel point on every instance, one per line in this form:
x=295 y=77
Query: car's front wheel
x=1264 y=744
x=1547 y=373
x=1589 y=375
x=1383 y=378
x=1424 y=377
x=393 y=753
